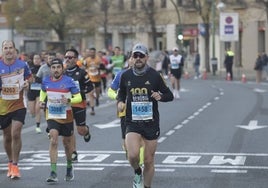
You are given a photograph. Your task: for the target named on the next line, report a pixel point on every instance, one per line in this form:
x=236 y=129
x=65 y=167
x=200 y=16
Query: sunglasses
x=69 y=57
x=136 y=55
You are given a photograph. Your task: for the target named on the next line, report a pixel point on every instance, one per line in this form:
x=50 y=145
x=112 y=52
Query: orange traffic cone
x=228 y=77
x=243 y=79
x=204 y=77
x=186 y=75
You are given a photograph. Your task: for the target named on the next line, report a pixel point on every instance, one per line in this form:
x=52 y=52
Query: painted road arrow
x=114 y=123
x=253 y=125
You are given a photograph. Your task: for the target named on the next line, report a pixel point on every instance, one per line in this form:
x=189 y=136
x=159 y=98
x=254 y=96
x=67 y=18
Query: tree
x=149 y=9
x=44 y=14
x=204 y=10
x=104 y=6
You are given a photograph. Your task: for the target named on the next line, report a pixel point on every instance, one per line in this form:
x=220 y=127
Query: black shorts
x=176 y=73
x=123 y=127
x=65 y=129
x=33 y=94
x=18 y=115
x=79 y=116
x=96 y=84
x=150 y=130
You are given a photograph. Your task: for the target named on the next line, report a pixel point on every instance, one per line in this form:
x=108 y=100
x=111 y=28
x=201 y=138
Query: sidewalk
x=250 y=75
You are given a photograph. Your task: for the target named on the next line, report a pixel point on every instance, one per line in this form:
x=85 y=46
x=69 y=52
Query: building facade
x=157 y=23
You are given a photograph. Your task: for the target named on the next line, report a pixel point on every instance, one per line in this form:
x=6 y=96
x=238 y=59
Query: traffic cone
x=204 y=77
x=186 y=75
x=243 y=79
x=228 y=77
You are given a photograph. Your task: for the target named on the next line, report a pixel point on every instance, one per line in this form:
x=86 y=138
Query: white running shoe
x=137 y=182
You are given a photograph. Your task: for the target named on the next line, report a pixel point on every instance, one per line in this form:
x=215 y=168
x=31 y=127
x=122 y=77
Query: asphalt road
x=213 y=137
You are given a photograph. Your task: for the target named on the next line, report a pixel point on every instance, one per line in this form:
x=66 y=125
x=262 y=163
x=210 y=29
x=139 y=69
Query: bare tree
x=204 y=10
x=149 y=9
x=104 y=6
x=46 y=14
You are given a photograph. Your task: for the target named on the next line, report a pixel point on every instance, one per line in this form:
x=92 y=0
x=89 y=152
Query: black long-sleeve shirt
x=136 y=91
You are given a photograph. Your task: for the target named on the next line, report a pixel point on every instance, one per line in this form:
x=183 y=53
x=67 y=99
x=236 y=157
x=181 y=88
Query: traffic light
x=180 y=33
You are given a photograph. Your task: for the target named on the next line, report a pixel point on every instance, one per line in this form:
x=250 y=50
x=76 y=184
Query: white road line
x=228 y=171
x=178 y=126
x=170 y=132
x=161 y=139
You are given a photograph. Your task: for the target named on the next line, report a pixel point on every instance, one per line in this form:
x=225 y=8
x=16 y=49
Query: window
x=179 y=2
x=133 y=4
x=163 y=4
x=120 y=4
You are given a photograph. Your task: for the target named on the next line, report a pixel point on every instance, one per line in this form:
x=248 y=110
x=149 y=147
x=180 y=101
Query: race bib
x=57 y=111
x=10 y=91
x=175 y=65
x=142 y=110
x=35 y=86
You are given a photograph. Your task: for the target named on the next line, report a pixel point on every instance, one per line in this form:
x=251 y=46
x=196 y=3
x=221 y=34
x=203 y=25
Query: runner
x=92 y=64
x=14 y=78
x=61 y=91
x=34 y=91
x=79 y=110
x=139 y=92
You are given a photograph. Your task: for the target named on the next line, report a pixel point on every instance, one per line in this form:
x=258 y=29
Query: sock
x=138 y=171
x=92 y=109
x=53 y=167
x=15 y=164
x=69 y=163
x=37 y=124
x=141 y=155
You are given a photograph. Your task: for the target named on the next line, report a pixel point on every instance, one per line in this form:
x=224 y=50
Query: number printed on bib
x=142 y=110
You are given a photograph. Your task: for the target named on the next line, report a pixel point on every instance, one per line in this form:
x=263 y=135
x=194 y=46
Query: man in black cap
x=61 y=92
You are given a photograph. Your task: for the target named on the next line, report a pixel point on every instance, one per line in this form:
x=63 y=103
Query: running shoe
x=69 y=174
x=9 y=169
x=92 y=113
x=87 y=137
x=137 y=182
x=52 y=177
x=15 y=172
x=38 y=130
x=75 y=156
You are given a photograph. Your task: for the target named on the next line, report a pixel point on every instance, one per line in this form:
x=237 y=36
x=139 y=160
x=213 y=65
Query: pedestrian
x=34 y=91
x=258 y=68
x=61 y=92
x=14 y=76
x=82 y=80
x=264 y=58
x=228 y=63
x=92 y=64
x=140 y=89
x=197 y=65
x=176 y=68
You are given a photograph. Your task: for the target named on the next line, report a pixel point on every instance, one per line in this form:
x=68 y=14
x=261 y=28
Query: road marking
x=253 y=125
x=228 y=171
x=170 y=132
x=114 y=123
x=166 y=161
x=161 y=139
